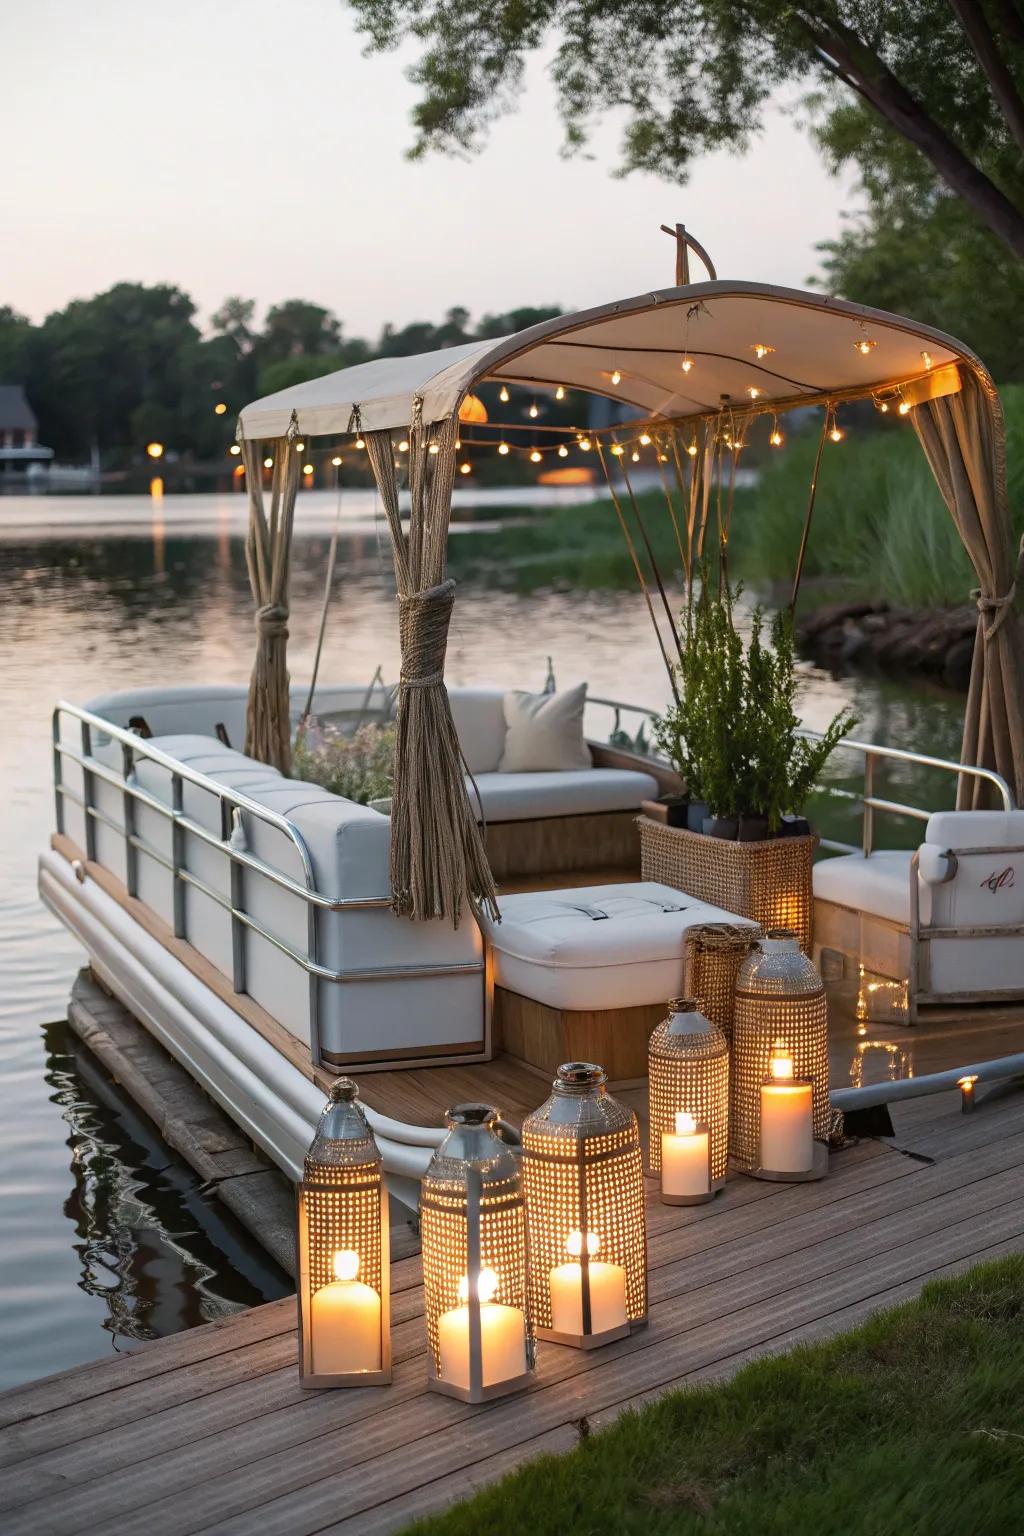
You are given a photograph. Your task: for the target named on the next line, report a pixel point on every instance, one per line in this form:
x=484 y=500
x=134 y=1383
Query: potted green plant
x=734 y=734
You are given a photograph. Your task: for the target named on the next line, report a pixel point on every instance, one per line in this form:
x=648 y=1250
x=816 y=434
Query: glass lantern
x=473 y=1235
x=781 y=1012
x=585 y=1213
x=343 y=1251
x=688 y=1101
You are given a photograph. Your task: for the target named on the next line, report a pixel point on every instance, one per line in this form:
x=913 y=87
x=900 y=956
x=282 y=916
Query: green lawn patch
x=911 y=1425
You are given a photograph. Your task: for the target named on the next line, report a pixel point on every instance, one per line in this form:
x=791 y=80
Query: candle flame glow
x=781 y=1061
x=686 y=1124
x=346 y=1264
x=574 y=1244
x=486 y=1286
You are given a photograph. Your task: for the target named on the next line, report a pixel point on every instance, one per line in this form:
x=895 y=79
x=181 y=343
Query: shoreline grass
x=910 y=1425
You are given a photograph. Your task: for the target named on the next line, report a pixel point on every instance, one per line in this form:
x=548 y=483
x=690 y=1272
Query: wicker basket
x=688 y=1069
x=769 y=882
x=779 y=996
x=714 y=954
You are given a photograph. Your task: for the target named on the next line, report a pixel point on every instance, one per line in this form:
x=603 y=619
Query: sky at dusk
x=248 y=146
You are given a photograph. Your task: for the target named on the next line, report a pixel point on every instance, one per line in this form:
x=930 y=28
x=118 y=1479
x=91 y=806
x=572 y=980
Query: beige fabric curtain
x=438 y=862
x=268 y=556
x=963 y=439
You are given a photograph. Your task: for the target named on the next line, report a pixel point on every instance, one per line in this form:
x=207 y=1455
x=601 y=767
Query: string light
x=761 y=349
x=560 y=392
x=835 y=432
x=563 y=452
x=692 y=449
x=336 y=461
x=235 y=448
x=776 y=439
x=299 y=447
x=585 y=444
x=533 y=411
x=618 y=450
x=616 y=377
x=503 y=449
x=926 y=358
x=360 y=442
x=686 y=364
x=635 y=456
x=645 y=439
x=268 y=463
x=864 y=345
x=503 y=395
x=904 y=407
x=753 y=391
x=464 y=469
x=307 y=469
x=458 y=444
x=403 y=446
x=883 y=406
x=434 y=448
x=535 y=456
x=220 y=408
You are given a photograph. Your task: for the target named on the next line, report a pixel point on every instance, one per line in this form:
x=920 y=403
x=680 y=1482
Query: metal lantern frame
x=583 y=1172
x=342 y=1204
x=779 y=996
x=472 y=1218
x=688 y=1070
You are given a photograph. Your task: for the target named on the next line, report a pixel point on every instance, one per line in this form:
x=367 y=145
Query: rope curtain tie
x=272 y=619
x=1000 y=606
x=423 y=619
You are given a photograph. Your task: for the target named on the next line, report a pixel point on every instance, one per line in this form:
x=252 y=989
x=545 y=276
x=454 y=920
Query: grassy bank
x=880 y=528
x=913 y=1425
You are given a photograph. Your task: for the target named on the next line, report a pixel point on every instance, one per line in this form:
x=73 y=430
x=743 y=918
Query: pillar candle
x=787 y=1130
x=345 y=1322
x=686 y=1159
x=607 y=1291
x=502 y=1338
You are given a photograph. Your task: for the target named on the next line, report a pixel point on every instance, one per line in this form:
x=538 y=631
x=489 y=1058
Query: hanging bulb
x=753 y=391
x=560 y=392
x=533 y=411
x=618 y=450
x=235 y=448
x=563 y=452
x=904 y=407
x=503 y=394
x=645 y=438
x=503 y=448
x=535 y=456
x=458 y=444
x=635 y=456
x=268 y=463
x=692 y=449
x=434 y=448
x=616 y=377
x=360 y=442
x=307 y=469
x=836 y=433
x=883 y=406
x=464 y=469
x=776 y=438
x=403 y=446
x=926 y=358
x=686 y=364
x=299 y=447
x=336 y=461
x=585 y=444
x=761 y=349
x=864 y=345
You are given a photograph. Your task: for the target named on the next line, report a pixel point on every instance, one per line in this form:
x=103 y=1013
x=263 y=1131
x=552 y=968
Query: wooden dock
x=209 y=1431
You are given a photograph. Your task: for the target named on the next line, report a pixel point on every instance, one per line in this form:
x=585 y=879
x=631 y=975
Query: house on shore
x=20 y=449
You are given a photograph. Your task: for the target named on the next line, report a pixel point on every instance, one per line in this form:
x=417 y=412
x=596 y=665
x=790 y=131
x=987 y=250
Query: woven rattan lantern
x=343 y=1252
x=780 y=1009
x=714 y=954
x=473 y=1232
x=688 y=1099
x=583 y=1175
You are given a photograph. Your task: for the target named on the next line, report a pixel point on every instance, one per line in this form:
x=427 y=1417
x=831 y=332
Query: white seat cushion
x=597 y=946
x=879 y=884
x=575 y=792
x=976 y=829
x=479 y=715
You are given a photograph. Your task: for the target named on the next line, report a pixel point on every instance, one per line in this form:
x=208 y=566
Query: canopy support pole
x=638 y=569
x=807 y=518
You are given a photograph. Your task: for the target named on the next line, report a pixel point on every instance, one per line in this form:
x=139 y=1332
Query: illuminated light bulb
x=155 y=450
x=336 y=460
x=403 y=446
x=926 y=358
x=645 y=438
x=503 y=394
x=635 y=456
x=239 y=469
x=560 y=392
x=618 y=450
x=753 y=391
x=307 y=469
x=458 y=444
x=616 y=377
x=464 y=469
x=776 y=439
x=585 y=444
x=268 y=463
x=884 y=407
x=836 y=434
x=220 y=409
x=434 y=448
x=904 y=407
x=864 y=345
x=299 y=447
x=503 y=448
x=692 y=449
x=686 y=364
x=360 y=442
x=533 y=411
x=235 y=448
x=535 y=456
x=662 y=458
x=563 y=452
x=761 y=349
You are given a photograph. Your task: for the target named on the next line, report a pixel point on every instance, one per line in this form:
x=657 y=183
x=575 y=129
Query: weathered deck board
x=210 y=1430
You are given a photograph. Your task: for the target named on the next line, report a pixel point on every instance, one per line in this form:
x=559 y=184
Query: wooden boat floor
x=210 y=1430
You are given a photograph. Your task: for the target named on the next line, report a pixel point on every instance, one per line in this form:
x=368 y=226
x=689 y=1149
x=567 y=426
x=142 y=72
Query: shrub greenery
x=360 y=767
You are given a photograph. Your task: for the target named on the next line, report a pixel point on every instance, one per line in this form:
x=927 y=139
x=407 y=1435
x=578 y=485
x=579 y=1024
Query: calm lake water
x=105 y=1235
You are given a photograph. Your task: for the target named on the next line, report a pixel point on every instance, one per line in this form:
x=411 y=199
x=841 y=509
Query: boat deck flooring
x=209 y=1431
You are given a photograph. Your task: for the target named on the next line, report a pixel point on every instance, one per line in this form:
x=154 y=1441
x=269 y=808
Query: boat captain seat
x=948 y=918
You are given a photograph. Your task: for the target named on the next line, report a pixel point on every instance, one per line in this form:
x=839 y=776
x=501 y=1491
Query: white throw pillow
x=544 y=732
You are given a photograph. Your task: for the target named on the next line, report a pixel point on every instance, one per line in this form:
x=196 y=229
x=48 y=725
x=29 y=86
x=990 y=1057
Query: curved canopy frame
x=675 y=355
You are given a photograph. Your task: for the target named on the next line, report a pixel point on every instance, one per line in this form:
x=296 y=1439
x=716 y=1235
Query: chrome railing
x=870 y=803
x=230 y=841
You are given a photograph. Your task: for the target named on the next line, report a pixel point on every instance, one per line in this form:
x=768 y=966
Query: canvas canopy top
x=817 y=348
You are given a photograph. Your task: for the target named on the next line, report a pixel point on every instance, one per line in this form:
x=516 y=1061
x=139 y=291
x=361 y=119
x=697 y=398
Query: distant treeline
x=131 y=365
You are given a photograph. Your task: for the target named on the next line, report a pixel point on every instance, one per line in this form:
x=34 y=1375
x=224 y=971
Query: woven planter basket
x=714 y=954
x=769 y=883
x=779 y=996
x=688 y=1069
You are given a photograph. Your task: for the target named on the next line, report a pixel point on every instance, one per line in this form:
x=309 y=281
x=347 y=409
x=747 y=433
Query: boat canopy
x=792 y=348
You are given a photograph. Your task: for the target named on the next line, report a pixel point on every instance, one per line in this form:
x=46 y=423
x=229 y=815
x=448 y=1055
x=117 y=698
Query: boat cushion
x=479 y=715
x=575 y=792
x=598 y=946
x=976 y=829
x=879 y=884
x=545 y=731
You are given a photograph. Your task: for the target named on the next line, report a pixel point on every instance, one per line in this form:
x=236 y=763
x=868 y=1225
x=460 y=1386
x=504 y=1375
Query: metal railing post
x=58 y=772
x=88 y=791
x=131 y=857
x=177 y=856
x=867 y=830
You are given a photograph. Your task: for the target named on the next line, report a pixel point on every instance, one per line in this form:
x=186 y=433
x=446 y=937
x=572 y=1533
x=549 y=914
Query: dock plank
x=204 y=1431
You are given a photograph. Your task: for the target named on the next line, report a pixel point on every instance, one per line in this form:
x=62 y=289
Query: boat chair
x=947 y=918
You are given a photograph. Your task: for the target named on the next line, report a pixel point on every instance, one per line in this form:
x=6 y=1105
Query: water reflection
x=885 y=1060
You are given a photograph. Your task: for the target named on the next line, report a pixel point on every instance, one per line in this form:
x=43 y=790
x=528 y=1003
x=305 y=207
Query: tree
x=297 y=328
x=15 y=335
x=695 y=75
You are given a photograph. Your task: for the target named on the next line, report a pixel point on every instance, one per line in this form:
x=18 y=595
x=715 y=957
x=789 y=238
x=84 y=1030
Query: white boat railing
x=871 y=804
x=230 y=842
